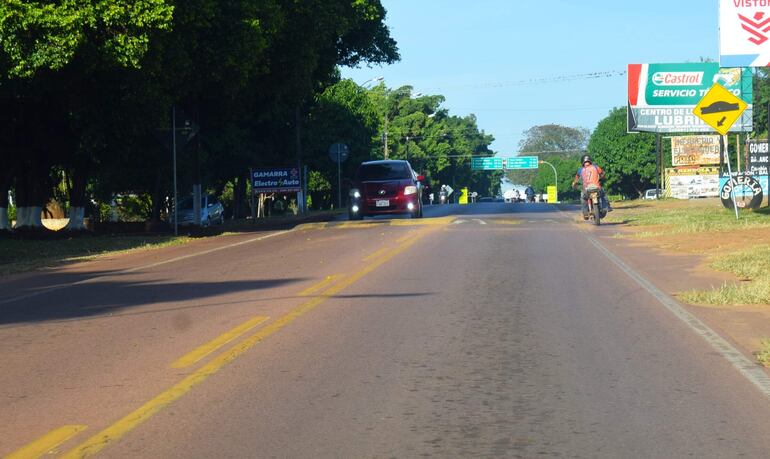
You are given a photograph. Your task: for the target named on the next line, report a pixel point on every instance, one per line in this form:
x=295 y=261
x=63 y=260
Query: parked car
x=652 y=194
x=212 y=211
x=385 y=187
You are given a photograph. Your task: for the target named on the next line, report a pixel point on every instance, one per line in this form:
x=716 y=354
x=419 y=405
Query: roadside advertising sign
x=693 y=182
x=758 y=163
x=661 y=97
x=744 y=33
x=463 y=199
x=277 y=180
x=746 y=190
x=694 y=150
x=552 y=196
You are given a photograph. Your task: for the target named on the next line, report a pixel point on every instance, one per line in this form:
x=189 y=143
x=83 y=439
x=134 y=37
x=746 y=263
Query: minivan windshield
x=187 y=203
x=383 y=171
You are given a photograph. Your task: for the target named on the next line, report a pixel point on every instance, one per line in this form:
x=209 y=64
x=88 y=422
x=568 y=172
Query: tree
x=628 y=159
x=566 y=165
x=38 y=40
x=343 y=113
x=438 y=145
x=554 y=138
x=558 y=145
x=100 y=77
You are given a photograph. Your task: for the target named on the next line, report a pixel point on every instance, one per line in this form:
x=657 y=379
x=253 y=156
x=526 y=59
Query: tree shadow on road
x=115 y=296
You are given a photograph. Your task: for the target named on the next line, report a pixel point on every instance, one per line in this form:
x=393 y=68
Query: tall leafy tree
x=38 y=41
x=343 y=113
x=552 y=141
x=628 y=159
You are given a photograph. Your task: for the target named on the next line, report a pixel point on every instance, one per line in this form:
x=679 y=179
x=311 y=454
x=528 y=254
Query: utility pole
x=385 y=138
x=658 y=157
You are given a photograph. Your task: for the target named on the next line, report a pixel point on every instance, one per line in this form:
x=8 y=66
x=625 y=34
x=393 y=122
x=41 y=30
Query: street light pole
x=173 y=142
x=556 y=178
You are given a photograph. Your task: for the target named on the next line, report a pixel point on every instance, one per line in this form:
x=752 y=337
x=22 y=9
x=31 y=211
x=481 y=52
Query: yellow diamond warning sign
x=720 y=108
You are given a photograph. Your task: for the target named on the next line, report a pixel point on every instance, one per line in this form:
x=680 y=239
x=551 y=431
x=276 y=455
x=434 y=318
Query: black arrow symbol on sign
x=722 y=121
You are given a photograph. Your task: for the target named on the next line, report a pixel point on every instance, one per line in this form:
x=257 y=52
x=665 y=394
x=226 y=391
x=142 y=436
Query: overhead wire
x=539 y=80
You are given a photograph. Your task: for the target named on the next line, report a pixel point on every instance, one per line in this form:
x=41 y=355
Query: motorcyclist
x=590 y=174
x=530 y=192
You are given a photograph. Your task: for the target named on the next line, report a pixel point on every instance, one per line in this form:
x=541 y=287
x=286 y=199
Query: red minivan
x=385 y=187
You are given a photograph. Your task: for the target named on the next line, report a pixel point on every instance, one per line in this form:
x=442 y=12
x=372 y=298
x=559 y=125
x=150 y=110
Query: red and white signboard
x=744 y=33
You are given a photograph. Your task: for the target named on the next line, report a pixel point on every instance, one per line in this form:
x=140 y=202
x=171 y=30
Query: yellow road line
x=46 y=443
x=503 y=221
x=314 y=288
x=202 y=351
x=405 y=237
x=376 y=254
x=120 y=428
x=423 y=221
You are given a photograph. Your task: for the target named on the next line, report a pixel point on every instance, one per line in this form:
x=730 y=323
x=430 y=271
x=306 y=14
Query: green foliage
x=100 y=78
x=317 y=182
x=761 y=101
x=752 y=266
x=438 y=145
x=37 y=35
x=554 y=138
x=682 y=217
x=559 y=145
x=763 y=356
x=628 y=159
x=566 y=166
x=343 y=113
x=134 y=208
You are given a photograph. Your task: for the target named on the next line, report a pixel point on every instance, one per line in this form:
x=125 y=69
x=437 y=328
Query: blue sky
x=475 y=53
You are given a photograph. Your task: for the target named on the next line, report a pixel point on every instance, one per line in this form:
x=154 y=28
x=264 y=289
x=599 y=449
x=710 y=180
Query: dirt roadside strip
x=697 y=251
x=20 y=254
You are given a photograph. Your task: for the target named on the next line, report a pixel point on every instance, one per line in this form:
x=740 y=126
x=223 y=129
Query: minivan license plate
x=382 y=203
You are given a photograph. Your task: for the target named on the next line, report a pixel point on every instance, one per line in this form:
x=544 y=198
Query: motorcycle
x=595 y=204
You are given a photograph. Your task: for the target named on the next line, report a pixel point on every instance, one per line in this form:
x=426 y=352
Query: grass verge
x=24 y=255
x=763 y=355
x=750 y=265
x=678 y=217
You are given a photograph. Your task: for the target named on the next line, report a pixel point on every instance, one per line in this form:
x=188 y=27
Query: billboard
x=697 y=182
x=758 y=157
x=694 y=150
x=661 y=97
x=277 y=180
x=744 y=33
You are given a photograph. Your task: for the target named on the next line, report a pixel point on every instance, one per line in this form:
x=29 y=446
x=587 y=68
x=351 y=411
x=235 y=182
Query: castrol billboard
x=744 y=33
x=661 y=97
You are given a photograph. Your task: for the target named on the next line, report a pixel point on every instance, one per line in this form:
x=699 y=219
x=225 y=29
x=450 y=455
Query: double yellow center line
x=329 y=287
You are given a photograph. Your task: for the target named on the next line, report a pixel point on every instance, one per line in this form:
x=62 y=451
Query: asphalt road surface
x=489 y=330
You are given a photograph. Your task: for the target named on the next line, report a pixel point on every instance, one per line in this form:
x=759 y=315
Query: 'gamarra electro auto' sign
x=661 y=97
x=278 y=180
x=744 y=33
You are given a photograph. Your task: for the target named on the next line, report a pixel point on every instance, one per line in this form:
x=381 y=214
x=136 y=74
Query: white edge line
x=139 y=268
x=746 y=367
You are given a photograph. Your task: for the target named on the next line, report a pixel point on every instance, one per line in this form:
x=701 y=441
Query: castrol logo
x=677 y=78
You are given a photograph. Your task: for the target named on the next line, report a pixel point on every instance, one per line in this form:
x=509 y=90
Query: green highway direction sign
x=521 y=162
x=486 y=163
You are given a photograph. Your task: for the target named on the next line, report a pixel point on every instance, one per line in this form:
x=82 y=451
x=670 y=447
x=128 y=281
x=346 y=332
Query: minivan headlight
x=354 y=193
x=411 y=189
